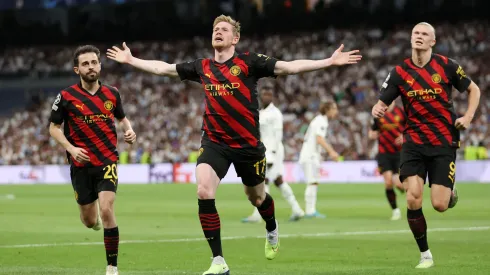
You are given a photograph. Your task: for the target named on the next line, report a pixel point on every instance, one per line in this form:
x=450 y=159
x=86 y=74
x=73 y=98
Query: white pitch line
x=307 y=235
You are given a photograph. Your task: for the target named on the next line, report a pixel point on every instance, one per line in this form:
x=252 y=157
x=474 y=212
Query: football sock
x=416 y=221
x=210 y=223
x=111 y=243
x=288 y=195
x=310 y=198
x=266 y=210
x=391 y=196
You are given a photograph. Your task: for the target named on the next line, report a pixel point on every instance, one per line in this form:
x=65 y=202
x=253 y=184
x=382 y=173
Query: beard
x=90 y=78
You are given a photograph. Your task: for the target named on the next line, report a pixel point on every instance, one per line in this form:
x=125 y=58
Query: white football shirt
x=311 y=150
x=271 y=126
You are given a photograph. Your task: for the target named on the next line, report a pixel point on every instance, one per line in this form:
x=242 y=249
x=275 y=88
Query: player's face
x=223 y=36
x=88 y=67
x=266 y=96
x=423 y=37
x=333 y=112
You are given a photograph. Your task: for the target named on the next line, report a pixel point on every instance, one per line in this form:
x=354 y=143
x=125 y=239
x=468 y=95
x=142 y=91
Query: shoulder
x=277 y=112
x=194 y=63
x=246 y=56
x=110 y=88
x=251 y=56
x=442 y=59
x=69 y=90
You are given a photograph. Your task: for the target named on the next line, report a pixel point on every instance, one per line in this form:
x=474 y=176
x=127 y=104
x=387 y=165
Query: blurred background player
x=87 y=110
x=425 y=82
x=231 y=123
x=388 y=131
x=271 y=128
x=310 y=156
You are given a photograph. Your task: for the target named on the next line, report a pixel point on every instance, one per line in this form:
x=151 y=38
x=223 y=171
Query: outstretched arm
x=300 y=66
x=152 y=66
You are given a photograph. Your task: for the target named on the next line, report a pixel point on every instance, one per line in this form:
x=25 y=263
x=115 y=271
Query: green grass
x=164 y=220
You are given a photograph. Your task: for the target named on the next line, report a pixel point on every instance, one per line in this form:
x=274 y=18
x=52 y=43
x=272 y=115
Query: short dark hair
x=326 y=106
x=85 y=49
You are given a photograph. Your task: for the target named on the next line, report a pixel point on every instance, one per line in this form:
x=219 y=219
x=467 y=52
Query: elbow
x=286 y=68
x=291 y=69
x=53 y=128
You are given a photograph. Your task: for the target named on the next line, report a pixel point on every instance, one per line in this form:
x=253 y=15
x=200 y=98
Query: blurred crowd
x=167 y=114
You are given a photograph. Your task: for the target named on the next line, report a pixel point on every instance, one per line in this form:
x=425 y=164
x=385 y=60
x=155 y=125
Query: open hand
x=118 y=55
x=342 y=58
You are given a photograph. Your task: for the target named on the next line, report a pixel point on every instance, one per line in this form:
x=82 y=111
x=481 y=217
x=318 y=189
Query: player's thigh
x=250 y=165
x=212 y=166
x=442 y=176
x=442 y=168
x=311 y=171
x=214 y=156
x=84 y=187
x=412 y=163
x=106 y=178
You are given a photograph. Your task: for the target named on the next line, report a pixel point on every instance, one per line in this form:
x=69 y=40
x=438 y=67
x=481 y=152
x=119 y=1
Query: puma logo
x=79 y=106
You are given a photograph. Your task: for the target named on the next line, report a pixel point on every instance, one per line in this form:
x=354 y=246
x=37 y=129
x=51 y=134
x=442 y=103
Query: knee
x=256 y=200
x=278 y=182
x=88 y=220
x=389 y=183
x=106 y=211
x=414 y=199
x=204 y=192
x=440 y=205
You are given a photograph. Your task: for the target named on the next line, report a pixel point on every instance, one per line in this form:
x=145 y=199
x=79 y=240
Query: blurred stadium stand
x=36 y=62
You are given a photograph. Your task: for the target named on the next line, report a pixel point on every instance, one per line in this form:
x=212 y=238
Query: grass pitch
x=40 y=233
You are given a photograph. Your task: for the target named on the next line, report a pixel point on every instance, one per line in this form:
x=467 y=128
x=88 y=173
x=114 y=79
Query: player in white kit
x=310 y=156
x=271 y=124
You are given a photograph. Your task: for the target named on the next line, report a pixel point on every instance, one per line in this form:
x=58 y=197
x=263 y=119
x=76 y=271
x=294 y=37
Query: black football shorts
x=388 y=162
x=87 y=182
x=436 y=162
x=249 y=163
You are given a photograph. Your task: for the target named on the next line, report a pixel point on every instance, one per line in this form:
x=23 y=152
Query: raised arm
x=300 y=66
x=124 y=56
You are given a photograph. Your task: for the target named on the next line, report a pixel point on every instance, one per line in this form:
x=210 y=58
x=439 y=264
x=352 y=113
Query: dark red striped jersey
x=89 y=121
x=427 y=98
x=231 y=116
x=390 y=127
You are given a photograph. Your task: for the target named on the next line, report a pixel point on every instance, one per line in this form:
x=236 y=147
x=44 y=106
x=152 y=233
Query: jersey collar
x=217 y=63
x=85 y=91
x=418 y=67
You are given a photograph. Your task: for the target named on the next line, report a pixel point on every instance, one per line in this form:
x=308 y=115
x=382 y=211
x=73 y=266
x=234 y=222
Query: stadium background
x=38 y=38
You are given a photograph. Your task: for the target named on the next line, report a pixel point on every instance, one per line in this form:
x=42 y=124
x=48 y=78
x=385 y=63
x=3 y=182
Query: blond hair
x=231 y=21
x=428 y=25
